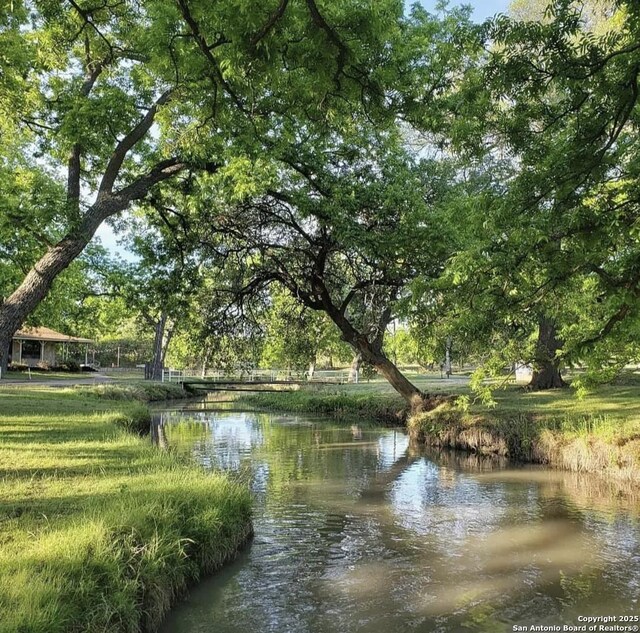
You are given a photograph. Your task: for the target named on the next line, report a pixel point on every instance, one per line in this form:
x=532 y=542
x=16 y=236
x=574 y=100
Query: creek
x=358 y=529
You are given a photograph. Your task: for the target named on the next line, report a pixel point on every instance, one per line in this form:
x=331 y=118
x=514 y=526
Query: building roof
x=47 y=334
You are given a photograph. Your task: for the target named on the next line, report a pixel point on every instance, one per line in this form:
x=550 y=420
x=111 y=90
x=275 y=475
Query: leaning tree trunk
x=34 y=288
x=38 y=281
x=546 y=366
x=371 y=352
x=395 y=377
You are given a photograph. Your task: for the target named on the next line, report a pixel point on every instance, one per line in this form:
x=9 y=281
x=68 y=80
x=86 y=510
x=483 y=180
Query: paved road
x=43 y=381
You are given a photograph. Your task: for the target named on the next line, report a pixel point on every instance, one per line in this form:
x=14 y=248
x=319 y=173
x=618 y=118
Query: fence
x=256 y=375
x=138 y=370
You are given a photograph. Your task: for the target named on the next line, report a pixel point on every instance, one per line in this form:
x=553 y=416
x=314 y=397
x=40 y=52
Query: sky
x=482 y=9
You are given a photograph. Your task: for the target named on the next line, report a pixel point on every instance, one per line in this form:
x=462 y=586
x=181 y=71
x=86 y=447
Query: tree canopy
x=120 y=97
x=349 y=159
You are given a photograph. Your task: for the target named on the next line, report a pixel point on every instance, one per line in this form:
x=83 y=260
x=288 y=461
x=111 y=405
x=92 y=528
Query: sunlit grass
x=99 y=531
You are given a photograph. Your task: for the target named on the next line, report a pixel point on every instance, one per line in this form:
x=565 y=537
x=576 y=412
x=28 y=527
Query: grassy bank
x=342 y=405
x=98 y=530
x=600 y=433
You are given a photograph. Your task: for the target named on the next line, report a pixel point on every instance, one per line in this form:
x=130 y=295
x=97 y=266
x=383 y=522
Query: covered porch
x=41 y=346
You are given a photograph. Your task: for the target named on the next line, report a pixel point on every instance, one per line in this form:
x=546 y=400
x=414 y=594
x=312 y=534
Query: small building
x=31 y=346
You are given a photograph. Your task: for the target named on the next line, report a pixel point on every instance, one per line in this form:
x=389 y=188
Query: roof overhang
x=46 y=335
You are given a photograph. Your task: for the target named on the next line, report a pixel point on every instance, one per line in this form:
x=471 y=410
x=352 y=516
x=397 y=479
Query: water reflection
x=357 y=530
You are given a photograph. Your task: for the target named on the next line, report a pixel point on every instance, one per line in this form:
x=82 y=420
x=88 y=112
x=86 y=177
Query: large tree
x=549 y=268
x=569 y=114
x=123 y=96
x=343 y=223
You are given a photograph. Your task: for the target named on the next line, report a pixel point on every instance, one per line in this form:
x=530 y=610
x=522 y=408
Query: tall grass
x=142 y=391
x=386 y=409
x=596 y=442
x=99 y=531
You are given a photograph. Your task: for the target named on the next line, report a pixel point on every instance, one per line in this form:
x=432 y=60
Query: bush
x=136 y=420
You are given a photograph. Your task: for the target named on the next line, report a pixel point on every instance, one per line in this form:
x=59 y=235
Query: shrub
x=136 y=420
x=69 y=365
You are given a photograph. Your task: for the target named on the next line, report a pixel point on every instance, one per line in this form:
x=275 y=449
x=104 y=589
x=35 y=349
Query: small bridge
x=252 y=379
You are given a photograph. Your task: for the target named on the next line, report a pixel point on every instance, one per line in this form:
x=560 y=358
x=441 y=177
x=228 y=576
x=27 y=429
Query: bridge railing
x=255 y=375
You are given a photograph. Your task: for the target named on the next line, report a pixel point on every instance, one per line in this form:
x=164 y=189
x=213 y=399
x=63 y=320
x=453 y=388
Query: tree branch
x=140 y=187
x=333 y=37
x=270 y=23
x=134 y=136
x=207 y=52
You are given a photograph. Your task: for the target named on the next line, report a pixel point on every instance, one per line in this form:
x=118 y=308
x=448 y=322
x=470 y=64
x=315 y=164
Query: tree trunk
x=35 y=286
x=205 y=361
x=368 y=347
x=354 y=371
x=38 y=281
x=156 y=359
x=161 y=340
x=371 y=352
x=168 y=335
x=546 y=366
x=312 y=369
x=447 y=356
x=395 y=377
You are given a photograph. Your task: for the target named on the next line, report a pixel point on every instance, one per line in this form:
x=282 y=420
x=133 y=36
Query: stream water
x=357 y=529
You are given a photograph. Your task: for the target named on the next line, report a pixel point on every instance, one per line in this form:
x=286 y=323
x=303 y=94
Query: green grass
x=99 y=531
x=599 y=433
x=140 y=390
x=374 y=399
x=339 y=403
